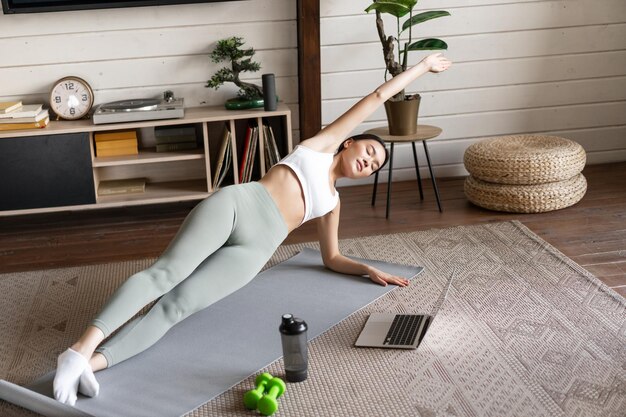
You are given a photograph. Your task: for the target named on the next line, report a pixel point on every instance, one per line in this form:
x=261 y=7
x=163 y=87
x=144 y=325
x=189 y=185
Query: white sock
x=70 y=366
x=88 y=384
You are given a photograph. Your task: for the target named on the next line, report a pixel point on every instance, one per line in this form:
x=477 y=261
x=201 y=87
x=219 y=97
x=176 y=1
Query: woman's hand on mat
x=437 y=62
x=383 y=278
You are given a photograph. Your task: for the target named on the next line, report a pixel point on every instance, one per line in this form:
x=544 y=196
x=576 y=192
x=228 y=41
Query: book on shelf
x=172 y=147
x=175 y=138
x=18 y=126
x=124 y=186
x=252 y=153
x=9 y=106
x=228 y=157
x=116 y=135
x=116 y=143
x=273 y=156
x=123 y=151
x=268 y=152
x=244 y=154
x=112 y=144
x=171 y=134
x=223 y=159
x=40 y=116
x=162 y=140
x=28 y=110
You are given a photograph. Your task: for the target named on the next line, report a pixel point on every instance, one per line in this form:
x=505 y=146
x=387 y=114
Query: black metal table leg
x=417 y=171
x=432 y=176
x=375 y=187
x=389 y=181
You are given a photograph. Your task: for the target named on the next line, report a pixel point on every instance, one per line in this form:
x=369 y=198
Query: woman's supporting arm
x=329 y=138
x=328 y=229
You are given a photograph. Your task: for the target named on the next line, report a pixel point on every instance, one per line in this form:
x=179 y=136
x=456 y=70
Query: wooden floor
x=592 y=233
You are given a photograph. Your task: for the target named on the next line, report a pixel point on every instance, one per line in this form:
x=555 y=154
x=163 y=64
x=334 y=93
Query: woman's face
x=361 y=158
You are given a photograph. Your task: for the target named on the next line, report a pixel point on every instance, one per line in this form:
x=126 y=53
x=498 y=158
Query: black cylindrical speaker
x=269 y=92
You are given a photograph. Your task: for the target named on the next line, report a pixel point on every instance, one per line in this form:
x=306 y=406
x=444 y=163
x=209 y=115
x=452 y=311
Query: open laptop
x=398 y=331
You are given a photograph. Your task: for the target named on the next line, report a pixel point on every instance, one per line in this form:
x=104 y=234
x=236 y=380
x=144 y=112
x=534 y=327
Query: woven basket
x=524 y=159
x=526 y=198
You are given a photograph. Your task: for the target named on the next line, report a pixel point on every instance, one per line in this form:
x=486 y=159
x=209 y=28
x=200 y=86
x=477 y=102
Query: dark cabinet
x=46 y=171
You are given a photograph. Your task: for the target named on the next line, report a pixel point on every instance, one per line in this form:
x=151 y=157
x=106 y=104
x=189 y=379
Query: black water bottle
x=294 y=341
x=269 y=92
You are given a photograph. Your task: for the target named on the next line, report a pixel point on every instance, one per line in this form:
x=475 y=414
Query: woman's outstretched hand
x=437 y=62
x=383 y=278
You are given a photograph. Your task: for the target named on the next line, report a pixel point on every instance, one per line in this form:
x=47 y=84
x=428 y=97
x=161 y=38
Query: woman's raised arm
x=329 y=138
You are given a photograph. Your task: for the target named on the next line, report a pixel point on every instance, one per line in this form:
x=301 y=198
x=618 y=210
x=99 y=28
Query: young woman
x=234 y=232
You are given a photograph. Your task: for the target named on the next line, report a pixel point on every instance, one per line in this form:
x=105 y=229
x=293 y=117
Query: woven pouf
x=534 y=198
x=524 y=159
x=525 y=173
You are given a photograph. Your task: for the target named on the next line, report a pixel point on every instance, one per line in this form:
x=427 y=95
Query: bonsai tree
x=399 y=9
x=241 y=60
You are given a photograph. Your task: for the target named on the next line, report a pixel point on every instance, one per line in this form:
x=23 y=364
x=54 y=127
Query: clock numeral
x=69 y=86
x=72 y=111
x=57 y=99
x=85 y=97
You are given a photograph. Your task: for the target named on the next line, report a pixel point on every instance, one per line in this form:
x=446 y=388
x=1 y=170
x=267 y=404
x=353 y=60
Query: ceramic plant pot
x=402 y=115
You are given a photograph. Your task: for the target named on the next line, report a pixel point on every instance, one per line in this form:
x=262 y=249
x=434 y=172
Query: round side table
x=424 y=132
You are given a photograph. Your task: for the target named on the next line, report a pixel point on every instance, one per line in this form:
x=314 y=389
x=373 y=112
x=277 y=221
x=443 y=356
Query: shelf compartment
x=159 y=192
x=148 y=156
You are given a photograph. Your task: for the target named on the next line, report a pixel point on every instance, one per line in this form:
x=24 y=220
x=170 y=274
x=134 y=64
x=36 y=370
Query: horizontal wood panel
x=333 y=8
x=146 y=17
x=513 y=97
x=135 y=73
x=478 y=20
x=487 y=46
x=522 y=121
x=143 y=43
x=358 y=82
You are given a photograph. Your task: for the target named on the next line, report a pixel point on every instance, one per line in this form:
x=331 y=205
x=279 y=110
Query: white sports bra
x=313 y=169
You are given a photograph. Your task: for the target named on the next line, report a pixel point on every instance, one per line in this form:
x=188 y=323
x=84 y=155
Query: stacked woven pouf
x=525 y=173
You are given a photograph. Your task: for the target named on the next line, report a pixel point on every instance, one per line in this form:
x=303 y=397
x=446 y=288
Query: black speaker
x=269 y=92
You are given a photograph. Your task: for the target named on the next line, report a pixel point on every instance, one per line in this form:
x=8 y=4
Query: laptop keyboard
x=403 y=330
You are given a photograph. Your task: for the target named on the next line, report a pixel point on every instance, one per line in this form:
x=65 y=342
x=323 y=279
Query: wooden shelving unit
x=170 y=176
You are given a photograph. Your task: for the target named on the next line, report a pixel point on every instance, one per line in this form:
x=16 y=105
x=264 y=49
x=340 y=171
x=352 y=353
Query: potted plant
x=402 y=109
x=249 y=95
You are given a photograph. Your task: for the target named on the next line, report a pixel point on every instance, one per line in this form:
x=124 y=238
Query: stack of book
x=223 y=159
x=14 y=115
x=118 y=143
x=175 y=138
x=125 y=186
x=270 y=151
x=272 y=156
x=249 y=151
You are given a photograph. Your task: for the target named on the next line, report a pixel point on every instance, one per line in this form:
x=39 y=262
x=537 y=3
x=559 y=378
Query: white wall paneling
x=143 y=51
x=555 y=67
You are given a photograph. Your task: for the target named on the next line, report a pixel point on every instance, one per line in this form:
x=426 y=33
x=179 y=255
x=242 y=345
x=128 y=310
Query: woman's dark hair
x=364 y=136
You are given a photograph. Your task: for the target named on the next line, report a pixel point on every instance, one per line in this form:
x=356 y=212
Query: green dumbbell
x=268 y=404
x=252 y=397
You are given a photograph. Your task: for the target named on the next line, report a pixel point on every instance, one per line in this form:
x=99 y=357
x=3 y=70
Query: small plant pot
x=402 y=115
x=242 y=104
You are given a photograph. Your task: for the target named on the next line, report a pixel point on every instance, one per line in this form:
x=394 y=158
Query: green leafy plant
x=241 y=60
x=400 y=9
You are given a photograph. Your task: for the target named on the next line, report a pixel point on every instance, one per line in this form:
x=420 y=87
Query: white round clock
x=71 y=98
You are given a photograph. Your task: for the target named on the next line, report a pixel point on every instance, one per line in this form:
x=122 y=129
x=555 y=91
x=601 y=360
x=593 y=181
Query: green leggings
x=233 y=233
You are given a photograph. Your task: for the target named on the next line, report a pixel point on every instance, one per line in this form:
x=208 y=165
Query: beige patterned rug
x=524 y=332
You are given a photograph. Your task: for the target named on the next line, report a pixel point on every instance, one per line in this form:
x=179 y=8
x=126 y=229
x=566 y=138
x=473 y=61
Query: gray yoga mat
x=216 y=348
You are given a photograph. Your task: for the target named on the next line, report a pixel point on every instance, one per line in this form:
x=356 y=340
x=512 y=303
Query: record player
x=134 y=110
